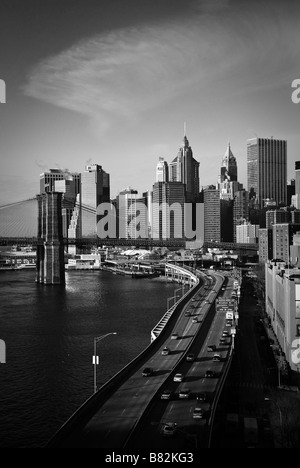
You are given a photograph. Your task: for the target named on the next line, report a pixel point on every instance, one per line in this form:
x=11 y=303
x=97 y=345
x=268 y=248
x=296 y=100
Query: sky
x=114 y=82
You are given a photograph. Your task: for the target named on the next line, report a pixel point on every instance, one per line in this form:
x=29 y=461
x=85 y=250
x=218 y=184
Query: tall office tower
x=240 y=209
x=168 y=210
x=212 y=214
x=48 y=179
x=267 y=170
x=95 y=189
x=162 y=171
x=184 y=168
x=132 y=215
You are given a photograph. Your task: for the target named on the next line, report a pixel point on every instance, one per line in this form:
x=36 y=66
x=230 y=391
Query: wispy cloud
x=124 y=73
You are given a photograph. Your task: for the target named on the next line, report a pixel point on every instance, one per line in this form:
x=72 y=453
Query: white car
x=178 y=377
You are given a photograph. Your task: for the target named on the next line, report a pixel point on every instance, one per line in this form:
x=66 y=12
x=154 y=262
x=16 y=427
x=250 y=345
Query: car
x=165 y=351
x=166 y=395
x=169 y=429
x=223 y=340
x=147 y=372
x=198 y=413
x=211 y=347
x=184 y=393
x=225 y=333
x=195 y=320
x=187 y=313
x=190 y=357
x=201 y=396
x=217 y=357
x=178 y=377
x=174 y=336
x=209 y=374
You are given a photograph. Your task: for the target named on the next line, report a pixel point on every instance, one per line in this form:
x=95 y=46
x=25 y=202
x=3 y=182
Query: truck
x=250 y=432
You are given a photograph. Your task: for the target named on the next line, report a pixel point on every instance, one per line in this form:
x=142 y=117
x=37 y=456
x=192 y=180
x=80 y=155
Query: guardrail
x=155 y=332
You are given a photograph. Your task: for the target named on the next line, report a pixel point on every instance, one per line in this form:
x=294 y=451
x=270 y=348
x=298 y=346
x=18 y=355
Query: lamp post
x=96 y=358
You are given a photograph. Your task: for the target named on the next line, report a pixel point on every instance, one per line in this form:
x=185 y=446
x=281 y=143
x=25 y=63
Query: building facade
x=162 y=171
x=212 y=214
x=283 y=239
x=282 y=292
x=185 y=169
x=267 y=170
x=247 y=233
x=95 y=189
x=168 y=210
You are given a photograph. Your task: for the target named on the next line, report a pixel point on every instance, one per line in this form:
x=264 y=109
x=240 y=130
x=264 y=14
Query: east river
x=49 y=333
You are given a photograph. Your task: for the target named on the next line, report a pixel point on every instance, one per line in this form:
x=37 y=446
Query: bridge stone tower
x=50 y=248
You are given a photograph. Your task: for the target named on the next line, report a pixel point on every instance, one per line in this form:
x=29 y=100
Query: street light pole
x=96 y=358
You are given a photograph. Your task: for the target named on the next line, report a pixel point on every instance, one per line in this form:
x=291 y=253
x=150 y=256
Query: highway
x=134 y=413
x=190 y=432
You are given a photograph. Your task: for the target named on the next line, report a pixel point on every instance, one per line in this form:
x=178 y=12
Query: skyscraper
x=229 y=166
x=48 y=179
x=58 y=180
x=212 y=214
x=267 y=170
x=132 y=215
x=162 y=171
x=95 y=189
x=168 y=210
x=185 y=169
x=228 y=183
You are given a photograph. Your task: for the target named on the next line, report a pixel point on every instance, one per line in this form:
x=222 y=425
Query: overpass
x=130 y=405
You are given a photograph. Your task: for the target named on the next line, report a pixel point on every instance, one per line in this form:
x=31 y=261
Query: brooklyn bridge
x=30 y=222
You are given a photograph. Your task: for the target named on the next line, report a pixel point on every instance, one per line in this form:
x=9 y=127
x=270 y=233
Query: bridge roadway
x=133 y=414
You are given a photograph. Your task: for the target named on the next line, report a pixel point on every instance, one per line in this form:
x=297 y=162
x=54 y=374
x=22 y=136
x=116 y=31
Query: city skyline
x=113 y=84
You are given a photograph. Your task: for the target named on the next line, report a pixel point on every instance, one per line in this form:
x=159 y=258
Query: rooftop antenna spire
x=184 y=129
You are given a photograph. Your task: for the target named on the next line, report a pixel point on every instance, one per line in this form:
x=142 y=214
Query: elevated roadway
x=129 y=412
